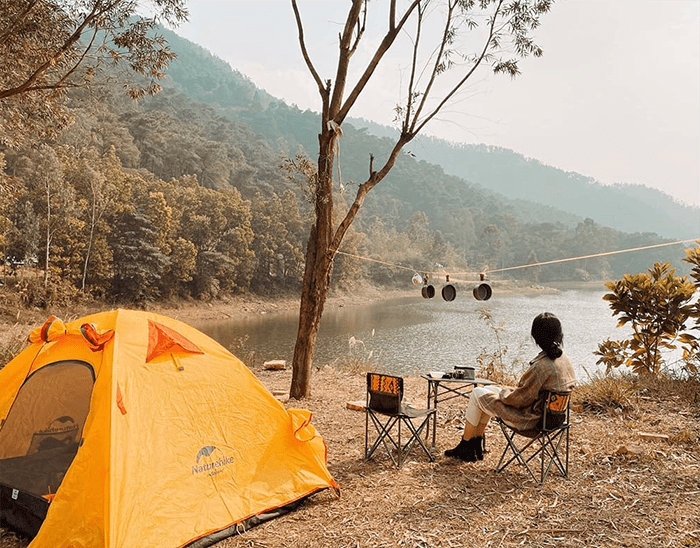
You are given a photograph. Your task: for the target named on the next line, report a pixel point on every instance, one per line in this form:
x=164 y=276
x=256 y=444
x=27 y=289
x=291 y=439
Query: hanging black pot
x=428 y=291
x=449 y=292
x=483 y=292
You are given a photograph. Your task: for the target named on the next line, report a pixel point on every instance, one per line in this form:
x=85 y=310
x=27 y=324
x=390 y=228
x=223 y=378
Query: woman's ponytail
x=554 y=351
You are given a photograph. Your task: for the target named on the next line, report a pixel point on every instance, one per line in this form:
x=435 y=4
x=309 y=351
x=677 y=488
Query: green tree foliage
x=212 y=212
x=278 y=243
x=48 y=47
x=656 y=305
x=691 y=339
x=218 y=223
x=386 y=245
x=137 y=260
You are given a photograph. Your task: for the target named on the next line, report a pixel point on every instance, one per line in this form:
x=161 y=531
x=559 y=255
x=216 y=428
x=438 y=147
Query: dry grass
x=623 y=490
x=14 y=341
x=616 y=394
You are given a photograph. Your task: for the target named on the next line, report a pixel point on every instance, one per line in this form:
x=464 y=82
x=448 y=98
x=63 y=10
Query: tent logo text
x=61 y=432
x=213 y=466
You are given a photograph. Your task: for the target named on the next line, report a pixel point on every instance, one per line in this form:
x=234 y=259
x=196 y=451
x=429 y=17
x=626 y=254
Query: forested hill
x=629 y=208
x=184 y=193
x=625 y=207
x=274 y=128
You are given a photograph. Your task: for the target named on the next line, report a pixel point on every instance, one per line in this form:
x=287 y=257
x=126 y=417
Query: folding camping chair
x=386 y=410
x=545 y=440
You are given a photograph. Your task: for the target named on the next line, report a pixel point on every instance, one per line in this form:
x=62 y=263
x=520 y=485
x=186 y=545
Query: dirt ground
x=625 y=488
x=634 y=478
x=622 y=490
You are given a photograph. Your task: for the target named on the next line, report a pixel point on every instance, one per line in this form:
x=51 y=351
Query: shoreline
x=193 y=312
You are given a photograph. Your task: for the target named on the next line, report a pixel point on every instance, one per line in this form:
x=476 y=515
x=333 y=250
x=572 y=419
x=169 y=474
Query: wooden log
x=275 y=365
x=356 y=405
x=652 y=436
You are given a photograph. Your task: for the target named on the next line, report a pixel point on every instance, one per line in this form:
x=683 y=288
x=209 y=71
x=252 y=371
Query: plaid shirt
x=521 y=407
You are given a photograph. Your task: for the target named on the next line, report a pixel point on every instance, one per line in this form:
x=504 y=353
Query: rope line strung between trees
x=543 y=263
x=604 y=254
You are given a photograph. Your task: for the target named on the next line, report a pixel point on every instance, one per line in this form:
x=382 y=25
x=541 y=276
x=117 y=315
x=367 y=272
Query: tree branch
x=375 y=178
x=83 y=55
x=344 y=55
x=411 y=82
x=361 y=26
x=305 y=53
x=438 y=62
x=383 y=47
x=56 y=57
x=417 y=127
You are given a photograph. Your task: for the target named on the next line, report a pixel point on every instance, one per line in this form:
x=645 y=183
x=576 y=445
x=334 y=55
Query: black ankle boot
x=464 y=451
x=478 y=445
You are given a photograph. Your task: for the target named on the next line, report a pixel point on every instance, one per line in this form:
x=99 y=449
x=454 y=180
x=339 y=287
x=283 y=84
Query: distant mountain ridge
x=629 y=208
x=526 y=184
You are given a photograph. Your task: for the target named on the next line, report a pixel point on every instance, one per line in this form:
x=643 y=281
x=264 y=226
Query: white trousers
x=475 y=412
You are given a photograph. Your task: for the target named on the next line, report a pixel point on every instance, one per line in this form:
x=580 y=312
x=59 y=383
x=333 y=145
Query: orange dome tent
x=129 y=429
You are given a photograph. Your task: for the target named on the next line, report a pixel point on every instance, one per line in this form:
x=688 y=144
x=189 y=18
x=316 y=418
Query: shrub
x=657 y=306
x=492 y=365
x=56 y=293
x=609 y=393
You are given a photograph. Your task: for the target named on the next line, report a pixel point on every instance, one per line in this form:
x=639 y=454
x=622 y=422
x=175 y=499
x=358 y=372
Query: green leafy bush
x=657 y=306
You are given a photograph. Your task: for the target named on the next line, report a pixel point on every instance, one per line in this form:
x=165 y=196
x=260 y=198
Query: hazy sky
x=616 y=96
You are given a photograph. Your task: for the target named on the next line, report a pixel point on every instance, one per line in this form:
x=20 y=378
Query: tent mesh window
x=40 y=437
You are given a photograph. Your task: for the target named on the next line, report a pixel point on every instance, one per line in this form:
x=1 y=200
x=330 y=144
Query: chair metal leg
x=517 y=453
x=552 y=453
x=415 y=438
x=384 y=437
x=548 y=446
x=383 y=434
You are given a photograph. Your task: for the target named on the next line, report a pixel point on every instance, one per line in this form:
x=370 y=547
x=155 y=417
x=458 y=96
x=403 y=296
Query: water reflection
x=412 y=335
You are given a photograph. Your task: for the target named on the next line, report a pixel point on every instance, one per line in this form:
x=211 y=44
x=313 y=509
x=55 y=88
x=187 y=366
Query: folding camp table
x=441 y=389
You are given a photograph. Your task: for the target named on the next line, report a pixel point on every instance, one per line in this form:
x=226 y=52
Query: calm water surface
x=413 y=335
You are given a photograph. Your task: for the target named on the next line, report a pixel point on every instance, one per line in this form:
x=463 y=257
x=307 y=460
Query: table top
x=476 y=380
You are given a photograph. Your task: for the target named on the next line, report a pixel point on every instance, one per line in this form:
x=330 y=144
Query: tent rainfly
x=129 y=429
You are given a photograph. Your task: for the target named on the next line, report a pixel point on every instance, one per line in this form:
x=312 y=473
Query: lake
x=412 y=335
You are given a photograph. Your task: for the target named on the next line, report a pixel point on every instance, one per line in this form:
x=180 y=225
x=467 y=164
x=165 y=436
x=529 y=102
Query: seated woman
x=520 y=407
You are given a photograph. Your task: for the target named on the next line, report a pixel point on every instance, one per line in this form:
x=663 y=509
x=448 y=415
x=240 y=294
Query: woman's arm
x=528 y=387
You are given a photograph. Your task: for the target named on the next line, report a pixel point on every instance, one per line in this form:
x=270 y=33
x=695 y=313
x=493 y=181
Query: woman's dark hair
x=546 y=330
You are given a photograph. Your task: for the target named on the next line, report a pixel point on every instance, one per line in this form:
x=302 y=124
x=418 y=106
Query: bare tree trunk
x=48 y=233
x=323 y=244
x=317 y=272
x=92 y=236
x=313 y=298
